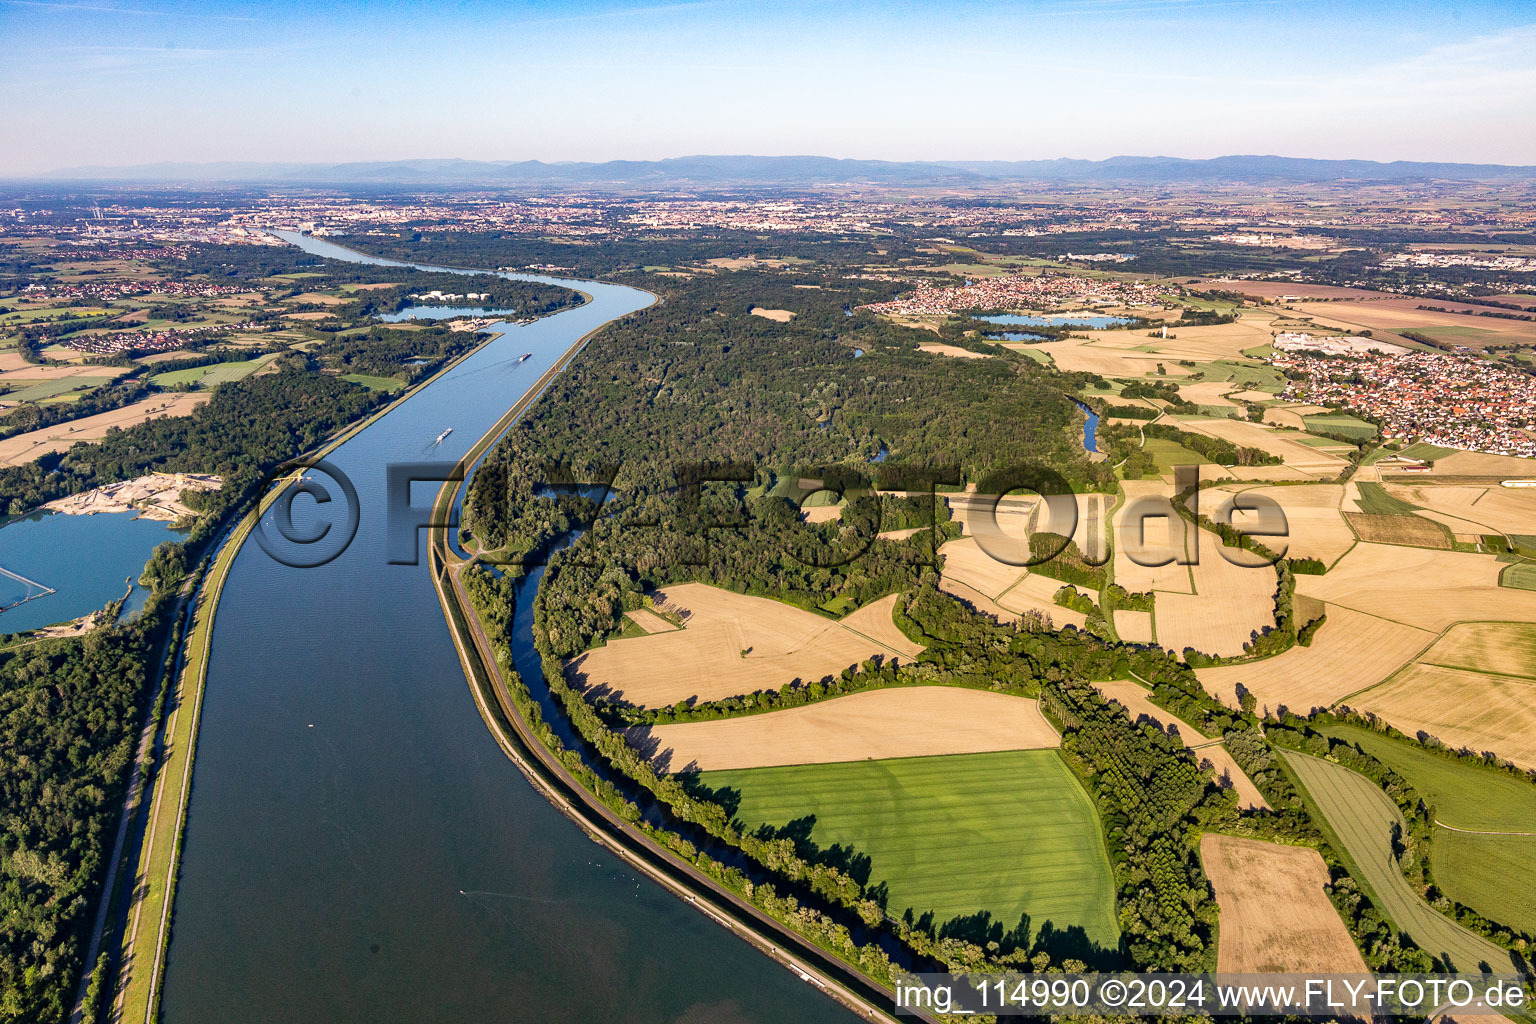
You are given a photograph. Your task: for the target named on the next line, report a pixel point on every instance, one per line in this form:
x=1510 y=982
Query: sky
x=123 y=82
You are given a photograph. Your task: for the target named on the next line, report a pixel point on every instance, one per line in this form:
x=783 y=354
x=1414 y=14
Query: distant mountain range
x=766 y=171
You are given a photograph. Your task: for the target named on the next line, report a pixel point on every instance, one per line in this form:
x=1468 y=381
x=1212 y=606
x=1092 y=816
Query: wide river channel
x=358 y=847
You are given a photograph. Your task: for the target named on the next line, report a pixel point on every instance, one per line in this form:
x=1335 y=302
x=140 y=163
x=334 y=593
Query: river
x=358 y=848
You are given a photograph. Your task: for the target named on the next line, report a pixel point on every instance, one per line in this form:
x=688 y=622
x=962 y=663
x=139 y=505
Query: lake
x=85 y=559
x=442 y=313
x=358 y=847
x=1023 y=320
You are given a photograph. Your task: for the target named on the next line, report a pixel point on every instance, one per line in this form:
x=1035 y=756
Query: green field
x=1360 y=817
x=1008 y=833
x=1494 y=875
x=1520 y=576
x=1342 y=425
x=374 y=383
x=1255 y=376
x=1374 y=500
x=1168 y=454
x=209 y=376
x=1418 y=450
x=36 y=391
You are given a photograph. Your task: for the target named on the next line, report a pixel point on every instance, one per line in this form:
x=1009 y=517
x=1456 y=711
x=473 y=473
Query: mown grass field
x=1520 y=576
x=1374 y=500
x=209 y=376
x=1494 y=875
x=1167 y=454
x=374 y=383
x=1360 y=817
x=1341 y=425
x=1008 y=833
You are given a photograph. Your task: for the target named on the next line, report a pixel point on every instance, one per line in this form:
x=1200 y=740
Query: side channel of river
x=359 y=849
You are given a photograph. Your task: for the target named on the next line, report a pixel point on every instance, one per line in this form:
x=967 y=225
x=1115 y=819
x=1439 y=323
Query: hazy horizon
x=118 y=84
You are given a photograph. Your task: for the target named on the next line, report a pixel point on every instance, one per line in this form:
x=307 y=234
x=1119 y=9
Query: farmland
x=1480 y=710
x=1398 y=529
x=1493 y=874
x=903 y=722
x=1275 y=915
x=732 y=644
x=211 y=376
x=1361 y=817
x=1007 y=834
x=1352 y=651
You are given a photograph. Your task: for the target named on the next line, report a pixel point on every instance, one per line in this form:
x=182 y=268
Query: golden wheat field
x=1314 y=526
x=58 y=438
x=1506 y=648
x=1275 y=914
x=1474 y=709
x=1230 y=602
x=1149 y=539
x=729 y=644
x=912 y=721
x=1349 y=653
x=1134 y=627
x=1483 y=509
x=650 y=621
x=1420 y=586
x=1301 y=457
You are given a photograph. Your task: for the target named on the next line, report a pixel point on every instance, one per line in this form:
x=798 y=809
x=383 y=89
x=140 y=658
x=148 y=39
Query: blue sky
x=135 y=81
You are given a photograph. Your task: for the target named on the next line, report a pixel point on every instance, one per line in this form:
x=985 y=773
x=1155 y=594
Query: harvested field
x=1137 y=700
x=914 y=721
x=1209 y=392
x=1462 y=708
x=1420 y=586
x=1402 y=313
x=1492 y=509
x=650 y=621
x=25 y=447
x=821 y=513
x=1224 y=769
x=876 y=621
x=1003 y=591
x=946 y=833
x=730 y=644
x=1315 y=527
x=1351 y=652
x=1408 y=530
x=782 y=316
x=1296 y=455
x=1361 y=816
x=1134 y=627
x=1164 y=535
x=1504 y=648
x=1275 y=913
x=1481 y=465
x=950 y=350
x=1012 y=513
x=1229 y=604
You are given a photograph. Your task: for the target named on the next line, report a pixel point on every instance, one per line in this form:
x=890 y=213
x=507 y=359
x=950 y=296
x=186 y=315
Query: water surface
x=1023 y=320
x=87 y=560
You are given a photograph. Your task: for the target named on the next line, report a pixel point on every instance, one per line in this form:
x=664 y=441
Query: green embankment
x=1008 y=833
x=1361 y=816
x=1494 y=875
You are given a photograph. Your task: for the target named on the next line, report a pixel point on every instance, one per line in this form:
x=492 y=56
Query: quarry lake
x=358 y=847
x=1021 y=320
x=87 y=561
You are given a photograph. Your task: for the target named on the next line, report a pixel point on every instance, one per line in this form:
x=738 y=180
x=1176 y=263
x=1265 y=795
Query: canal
x=358 y=848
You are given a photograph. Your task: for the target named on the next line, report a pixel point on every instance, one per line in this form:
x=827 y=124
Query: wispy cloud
x=55 y=5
